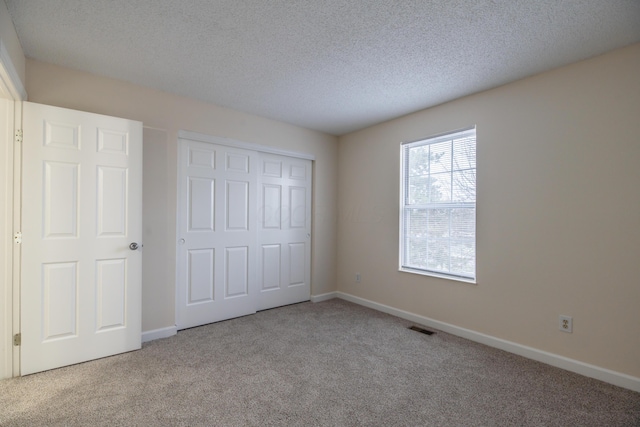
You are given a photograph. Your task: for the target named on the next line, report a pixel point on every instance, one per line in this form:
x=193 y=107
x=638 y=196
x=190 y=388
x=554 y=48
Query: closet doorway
x=244 y=229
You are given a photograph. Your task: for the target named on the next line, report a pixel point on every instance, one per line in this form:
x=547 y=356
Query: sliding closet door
x=284 y=235
x=244 y=224
x=217 y=233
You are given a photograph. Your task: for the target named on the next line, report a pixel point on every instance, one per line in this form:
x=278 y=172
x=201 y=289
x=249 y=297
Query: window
x=438 y=206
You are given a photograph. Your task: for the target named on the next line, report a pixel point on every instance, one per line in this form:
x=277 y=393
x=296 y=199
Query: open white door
x=82 y=209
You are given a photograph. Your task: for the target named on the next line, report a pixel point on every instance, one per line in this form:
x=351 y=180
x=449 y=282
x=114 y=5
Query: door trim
x=200 y=137
x=11 y=88
x=9 y=79
x=6 y=233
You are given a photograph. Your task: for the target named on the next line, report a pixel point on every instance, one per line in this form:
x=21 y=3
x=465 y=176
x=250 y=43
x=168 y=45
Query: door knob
x=133 y=246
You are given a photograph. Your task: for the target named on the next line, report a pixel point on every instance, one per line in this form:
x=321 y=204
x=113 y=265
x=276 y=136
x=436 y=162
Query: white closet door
x=82 y=208
x=284 y=235
x=217 y=233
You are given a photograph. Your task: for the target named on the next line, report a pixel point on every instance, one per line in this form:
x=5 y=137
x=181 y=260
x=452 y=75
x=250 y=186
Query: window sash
x=443 y=184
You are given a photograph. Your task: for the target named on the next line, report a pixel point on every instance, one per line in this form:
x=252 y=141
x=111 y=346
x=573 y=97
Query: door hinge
x=17 y=339
x=18 y=237
x=19 y=135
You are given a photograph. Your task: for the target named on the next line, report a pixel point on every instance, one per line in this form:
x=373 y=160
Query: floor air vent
x=421 y=330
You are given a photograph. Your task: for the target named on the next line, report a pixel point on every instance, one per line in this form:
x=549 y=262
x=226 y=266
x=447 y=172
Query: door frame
x=200 y=137
x=12 y=89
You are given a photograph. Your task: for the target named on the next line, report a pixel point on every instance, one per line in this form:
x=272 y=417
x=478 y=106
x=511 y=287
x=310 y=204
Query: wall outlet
x=358 y=278
x=566 y=324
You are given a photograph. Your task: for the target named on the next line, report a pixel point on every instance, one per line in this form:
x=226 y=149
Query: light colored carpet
x=327 y=364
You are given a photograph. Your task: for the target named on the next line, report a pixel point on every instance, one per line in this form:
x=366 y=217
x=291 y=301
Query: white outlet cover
x=566 y=324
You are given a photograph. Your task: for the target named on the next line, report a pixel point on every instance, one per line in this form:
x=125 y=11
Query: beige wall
x=163 y=116
x=558 y=213
x=10 y=40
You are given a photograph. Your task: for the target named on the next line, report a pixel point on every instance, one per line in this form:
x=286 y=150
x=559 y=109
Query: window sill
x=438 y=275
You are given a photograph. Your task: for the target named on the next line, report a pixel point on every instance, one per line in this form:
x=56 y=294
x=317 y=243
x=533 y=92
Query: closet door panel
x=216 y=233
x=285 y=224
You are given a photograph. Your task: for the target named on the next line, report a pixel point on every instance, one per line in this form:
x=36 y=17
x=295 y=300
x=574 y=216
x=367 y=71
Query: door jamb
x=11 y=88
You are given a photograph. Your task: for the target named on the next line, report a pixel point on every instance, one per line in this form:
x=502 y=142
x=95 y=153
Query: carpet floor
x=327 y=364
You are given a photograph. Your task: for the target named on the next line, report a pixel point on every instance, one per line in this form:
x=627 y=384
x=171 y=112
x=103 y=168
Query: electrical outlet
x=566 y=324
x=358 y=278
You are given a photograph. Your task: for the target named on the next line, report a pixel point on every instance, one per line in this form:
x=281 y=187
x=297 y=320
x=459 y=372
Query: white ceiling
x=330 y=65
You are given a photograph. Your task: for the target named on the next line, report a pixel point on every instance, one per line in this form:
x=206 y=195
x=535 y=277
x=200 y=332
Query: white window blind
x=438 y=206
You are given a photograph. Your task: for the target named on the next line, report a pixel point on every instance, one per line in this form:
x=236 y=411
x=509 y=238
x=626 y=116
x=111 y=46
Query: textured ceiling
x=330 y=65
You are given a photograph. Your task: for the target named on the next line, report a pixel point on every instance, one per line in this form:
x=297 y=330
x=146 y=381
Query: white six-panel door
x=243 y=232
x=216 y=250
x=82 y=208
x=284 y=230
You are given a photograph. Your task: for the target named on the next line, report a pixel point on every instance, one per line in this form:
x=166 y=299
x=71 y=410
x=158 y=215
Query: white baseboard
x=159 y=333
x=592 y=371
x=324 y=297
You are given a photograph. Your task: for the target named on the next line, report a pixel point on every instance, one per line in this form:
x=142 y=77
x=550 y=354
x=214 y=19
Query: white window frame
x=404 y=206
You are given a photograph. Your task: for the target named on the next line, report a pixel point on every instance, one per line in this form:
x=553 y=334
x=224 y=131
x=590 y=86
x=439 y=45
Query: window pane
x=416 y=244
x=440 y=187
x=419 y=189
x=438 y=223
x=416 y=253
x=463 y=223
x=463 y=258
x=464 y=186
x=440 y=157
x=419 y=160
x=438 y=255
x=464 y=154
x=416 y=223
